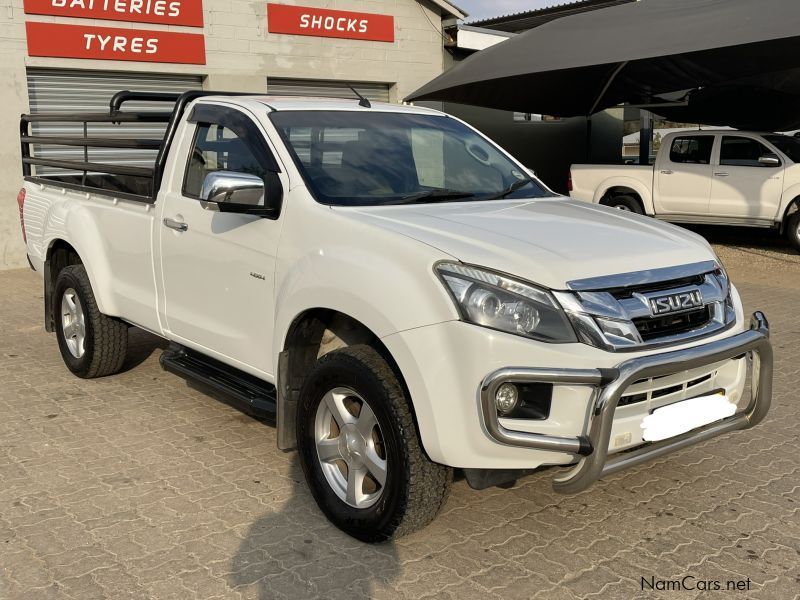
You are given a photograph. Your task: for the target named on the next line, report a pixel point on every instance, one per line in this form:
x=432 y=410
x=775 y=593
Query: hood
x=548 y=241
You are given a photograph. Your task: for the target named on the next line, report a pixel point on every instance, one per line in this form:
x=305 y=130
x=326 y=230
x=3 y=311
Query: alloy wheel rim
x=622 y=207
x=73 y=323
x=350 y=447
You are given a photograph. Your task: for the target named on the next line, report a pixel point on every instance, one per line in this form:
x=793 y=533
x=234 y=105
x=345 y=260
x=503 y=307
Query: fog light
x=506 y=398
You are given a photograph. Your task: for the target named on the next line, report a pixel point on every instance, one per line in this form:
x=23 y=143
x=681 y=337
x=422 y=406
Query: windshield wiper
x=510 y=189
x=435 y=195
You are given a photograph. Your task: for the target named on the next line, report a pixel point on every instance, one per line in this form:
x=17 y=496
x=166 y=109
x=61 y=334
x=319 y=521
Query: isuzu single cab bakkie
x=400 y=292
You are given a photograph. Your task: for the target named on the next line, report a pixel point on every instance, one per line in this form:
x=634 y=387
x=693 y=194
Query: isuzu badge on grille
x=664 y=305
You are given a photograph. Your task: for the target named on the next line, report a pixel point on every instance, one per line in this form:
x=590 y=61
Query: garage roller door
x=377 y=92
x=56 y=90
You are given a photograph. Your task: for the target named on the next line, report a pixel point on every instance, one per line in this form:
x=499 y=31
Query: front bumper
x=608 y=385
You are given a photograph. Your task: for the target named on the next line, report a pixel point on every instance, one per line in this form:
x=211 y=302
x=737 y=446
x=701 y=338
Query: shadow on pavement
x=296 y=553
x=744 y=236
x=141 y=345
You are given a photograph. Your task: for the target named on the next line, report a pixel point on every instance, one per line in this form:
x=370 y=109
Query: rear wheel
x=360 y=451
x=626 y=203
x=793 y=230
x=91 y=343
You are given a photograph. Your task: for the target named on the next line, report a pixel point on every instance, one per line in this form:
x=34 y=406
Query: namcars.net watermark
x=689 y=583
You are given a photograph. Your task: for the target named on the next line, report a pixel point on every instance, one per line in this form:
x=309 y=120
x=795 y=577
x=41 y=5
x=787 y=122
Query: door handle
x=721 y=174
x=666 y=172
x=176 y=225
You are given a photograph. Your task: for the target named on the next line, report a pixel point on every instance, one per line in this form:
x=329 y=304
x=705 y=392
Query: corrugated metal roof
x=523 y=21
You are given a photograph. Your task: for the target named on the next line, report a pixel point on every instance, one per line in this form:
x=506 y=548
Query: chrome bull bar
x=610 y=384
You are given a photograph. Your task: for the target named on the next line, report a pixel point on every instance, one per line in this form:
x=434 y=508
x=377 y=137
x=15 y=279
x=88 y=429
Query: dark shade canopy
x=765 y=103
x=585 y=63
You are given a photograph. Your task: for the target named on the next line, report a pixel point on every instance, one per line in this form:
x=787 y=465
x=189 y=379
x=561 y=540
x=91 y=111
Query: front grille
x=627 y=292
x=657 y=327
x=632 y=399
x=615 y=312
x=700 y=380
x=677 y=385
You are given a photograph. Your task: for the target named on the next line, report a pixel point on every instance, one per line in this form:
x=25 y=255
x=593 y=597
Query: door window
x=692 y=149
x=217 y=148
x=742 y=152
x=789 y=145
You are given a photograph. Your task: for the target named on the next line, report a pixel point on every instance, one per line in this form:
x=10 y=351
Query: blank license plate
x=675 y=419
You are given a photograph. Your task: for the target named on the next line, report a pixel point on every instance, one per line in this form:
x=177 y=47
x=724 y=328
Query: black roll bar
x=118 y=99
x=115 y=115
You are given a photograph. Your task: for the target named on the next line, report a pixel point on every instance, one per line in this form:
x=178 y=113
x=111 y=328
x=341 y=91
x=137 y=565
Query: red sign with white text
x=111 y=43
x=171 y=12
x=321 y=22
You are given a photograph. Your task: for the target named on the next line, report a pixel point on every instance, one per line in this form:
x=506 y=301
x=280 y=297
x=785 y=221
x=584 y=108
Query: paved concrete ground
x=139 y=486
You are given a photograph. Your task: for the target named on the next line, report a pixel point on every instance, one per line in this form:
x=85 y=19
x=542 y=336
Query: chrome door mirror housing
x=232 y=188
x=769 y=160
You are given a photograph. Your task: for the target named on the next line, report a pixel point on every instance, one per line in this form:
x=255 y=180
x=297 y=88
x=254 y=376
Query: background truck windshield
x=376 y=158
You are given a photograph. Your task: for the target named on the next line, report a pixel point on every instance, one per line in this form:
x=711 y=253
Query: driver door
x=218 y=267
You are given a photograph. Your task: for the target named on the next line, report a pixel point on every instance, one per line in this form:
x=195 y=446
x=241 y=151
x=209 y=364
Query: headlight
x=496 y=301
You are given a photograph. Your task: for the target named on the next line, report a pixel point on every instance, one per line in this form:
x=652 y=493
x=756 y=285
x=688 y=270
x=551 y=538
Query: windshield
x=790 y=146
x=377 y=158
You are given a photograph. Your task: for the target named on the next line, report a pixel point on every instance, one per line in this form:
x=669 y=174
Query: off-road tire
x=793 y=230
x=106 y=338
x=627 y=203
x=415 y=488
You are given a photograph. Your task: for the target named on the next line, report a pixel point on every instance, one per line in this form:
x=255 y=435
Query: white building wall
x=240 y=55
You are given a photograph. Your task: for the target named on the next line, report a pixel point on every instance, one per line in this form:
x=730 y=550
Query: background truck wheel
x=91 y=343
x=793 y=230
x=628 y=203
x=360 y=451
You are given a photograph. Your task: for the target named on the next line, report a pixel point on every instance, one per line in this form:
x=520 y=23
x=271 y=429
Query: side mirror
x=769 y=160
x=229 y=191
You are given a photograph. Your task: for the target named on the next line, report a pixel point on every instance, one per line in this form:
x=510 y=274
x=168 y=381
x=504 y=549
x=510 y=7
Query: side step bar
x=255 y=395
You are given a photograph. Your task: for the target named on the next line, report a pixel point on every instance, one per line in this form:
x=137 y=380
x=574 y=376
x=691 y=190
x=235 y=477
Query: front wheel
x=626 y=203
x=360 y=451
x=793 y=230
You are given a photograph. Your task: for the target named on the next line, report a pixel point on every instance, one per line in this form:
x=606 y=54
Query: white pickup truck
x=714 y=177
x=395 y=288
